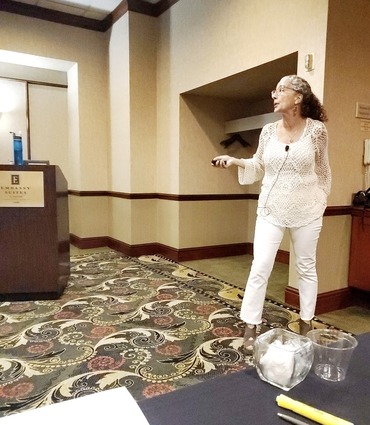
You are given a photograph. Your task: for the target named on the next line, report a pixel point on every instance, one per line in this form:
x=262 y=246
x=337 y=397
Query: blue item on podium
x=18 y=149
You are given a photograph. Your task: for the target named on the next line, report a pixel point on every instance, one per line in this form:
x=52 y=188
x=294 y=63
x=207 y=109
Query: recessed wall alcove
x=204 y=112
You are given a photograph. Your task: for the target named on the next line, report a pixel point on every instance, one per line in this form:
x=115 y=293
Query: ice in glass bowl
x=283 y=358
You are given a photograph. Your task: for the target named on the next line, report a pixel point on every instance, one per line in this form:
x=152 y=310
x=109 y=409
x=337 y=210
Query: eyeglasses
x=280 y=90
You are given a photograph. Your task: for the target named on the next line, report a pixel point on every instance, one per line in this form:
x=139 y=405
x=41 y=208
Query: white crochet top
x=296 y=182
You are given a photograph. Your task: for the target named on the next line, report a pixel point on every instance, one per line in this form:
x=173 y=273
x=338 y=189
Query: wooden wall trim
x=165 y=196
x=113 y=17
x=88 y=193
x=330 y=211
x=164 y=5
x=338 y=210
x=182 y=254
x=51 y=15
x=56 y=16
x=151 y=9
x=326 y=301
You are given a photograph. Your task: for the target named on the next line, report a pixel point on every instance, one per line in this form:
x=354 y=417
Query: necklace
x=291 y=135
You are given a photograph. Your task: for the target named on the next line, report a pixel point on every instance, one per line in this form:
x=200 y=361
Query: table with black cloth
x=241 y=398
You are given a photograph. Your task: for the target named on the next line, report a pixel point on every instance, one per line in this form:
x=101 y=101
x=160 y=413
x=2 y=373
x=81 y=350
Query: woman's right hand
x=223 y=161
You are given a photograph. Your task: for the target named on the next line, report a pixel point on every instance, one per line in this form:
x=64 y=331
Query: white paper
x=110 y=406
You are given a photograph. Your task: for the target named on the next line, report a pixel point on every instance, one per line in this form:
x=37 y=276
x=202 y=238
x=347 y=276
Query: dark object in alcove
x=234 y=138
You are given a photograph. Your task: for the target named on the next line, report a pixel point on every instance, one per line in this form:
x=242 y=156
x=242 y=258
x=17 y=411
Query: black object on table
x=241 y=398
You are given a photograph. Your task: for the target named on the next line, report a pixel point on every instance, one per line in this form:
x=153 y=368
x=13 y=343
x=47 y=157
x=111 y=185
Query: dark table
x=243 y=399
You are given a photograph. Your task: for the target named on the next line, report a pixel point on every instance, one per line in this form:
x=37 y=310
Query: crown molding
x=37 y=12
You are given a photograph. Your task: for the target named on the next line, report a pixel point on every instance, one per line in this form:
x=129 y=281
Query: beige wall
x=151 y=123
x=222 y=42
x=88 y=216
x=143 y=98
x=49 y=132
x=74 y=148
x=119 y=96
x=347 y=81
x=132 y=80
x=119 y=218
x=88 y=108
x=13 y=119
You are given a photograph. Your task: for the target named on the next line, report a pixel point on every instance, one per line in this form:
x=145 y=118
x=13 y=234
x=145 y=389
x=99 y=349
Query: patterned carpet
x=148 y=323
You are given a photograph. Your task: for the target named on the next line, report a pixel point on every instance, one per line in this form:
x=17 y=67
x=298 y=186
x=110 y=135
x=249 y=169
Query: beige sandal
x=305 y=326
x=250 y=335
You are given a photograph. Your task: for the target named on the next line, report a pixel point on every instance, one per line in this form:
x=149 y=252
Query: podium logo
x=15 y=179
x=21 y=189
x=15 y=190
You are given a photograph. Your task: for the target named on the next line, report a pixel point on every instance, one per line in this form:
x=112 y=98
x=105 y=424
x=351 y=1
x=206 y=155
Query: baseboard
x=182 y=254
x=326 y=301
x=283 y=257
x=87 y=243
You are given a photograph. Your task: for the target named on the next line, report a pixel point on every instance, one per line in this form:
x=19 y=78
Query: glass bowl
x=283 y=358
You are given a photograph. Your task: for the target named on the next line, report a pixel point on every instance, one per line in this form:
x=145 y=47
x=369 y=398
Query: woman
x=292 y=161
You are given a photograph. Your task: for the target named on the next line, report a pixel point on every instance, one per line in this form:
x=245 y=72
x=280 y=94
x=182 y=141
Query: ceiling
x=97 y=15
x=94 y=9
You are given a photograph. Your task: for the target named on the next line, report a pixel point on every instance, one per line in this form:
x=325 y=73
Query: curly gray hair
x=311 y=106
x=299 y=84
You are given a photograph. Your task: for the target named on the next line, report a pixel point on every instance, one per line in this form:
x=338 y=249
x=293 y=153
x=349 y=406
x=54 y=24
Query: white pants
x=267 y=240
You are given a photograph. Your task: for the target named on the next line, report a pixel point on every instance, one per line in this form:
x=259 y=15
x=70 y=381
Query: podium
x=34 y=232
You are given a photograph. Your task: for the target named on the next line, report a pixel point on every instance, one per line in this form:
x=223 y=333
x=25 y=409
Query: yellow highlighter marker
x=309 y=412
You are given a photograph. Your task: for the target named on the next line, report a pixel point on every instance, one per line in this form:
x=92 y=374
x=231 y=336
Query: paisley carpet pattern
x=148 y=323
